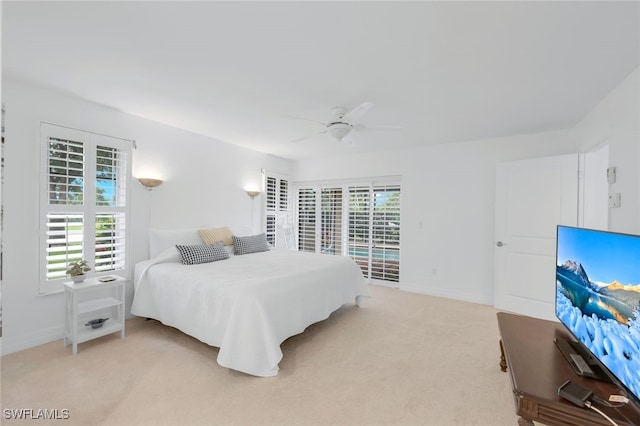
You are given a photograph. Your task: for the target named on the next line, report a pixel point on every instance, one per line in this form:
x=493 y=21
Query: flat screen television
x=598 y=300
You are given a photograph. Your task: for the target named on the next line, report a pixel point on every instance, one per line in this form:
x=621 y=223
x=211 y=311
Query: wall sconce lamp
x=149 y=183
x=252 y=194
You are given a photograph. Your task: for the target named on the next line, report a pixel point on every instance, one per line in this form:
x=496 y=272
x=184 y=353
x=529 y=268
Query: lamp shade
x=150 y=183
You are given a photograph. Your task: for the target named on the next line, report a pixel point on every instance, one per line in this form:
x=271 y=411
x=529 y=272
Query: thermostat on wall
x=614 y=200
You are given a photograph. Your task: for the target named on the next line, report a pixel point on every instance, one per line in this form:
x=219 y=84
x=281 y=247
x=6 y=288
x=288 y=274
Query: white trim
x=24 y=341
x=447 y=293
x=374 y=180
x=133 y=142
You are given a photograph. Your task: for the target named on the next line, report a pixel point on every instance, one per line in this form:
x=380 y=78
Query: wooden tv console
x=537 y=369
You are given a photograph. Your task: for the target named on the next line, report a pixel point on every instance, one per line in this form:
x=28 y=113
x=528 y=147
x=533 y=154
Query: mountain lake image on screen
x=598 y=298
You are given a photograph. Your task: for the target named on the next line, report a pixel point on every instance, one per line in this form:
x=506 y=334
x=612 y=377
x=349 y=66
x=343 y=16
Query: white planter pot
x=78 y=278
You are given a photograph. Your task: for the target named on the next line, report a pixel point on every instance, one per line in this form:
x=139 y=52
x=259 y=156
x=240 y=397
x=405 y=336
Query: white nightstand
x=90 y=297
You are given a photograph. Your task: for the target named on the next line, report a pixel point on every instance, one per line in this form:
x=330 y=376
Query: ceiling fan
x=344 y=124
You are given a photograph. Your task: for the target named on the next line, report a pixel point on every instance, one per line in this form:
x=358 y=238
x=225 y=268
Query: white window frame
x=89 y=210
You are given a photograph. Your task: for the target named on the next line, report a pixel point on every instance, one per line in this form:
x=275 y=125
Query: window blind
x=278 y=214
x=385 y=233
x=331 y=221
x=110 y=238
x=358 y=226
x=110 y=184
x=84 y=209
x=64 y=237
x=283 y=196
x=271 y=193
x=306 y=219
x=65 y=162
x=359 y=220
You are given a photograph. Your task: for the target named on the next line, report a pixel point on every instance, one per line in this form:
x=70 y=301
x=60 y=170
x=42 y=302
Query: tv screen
x=598 y=298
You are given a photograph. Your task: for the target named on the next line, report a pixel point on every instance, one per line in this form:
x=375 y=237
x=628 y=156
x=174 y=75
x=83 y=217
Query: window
x=306 y=214
x=271 y=209
x=359 y=220
x=358 y=226
x=84 y=209
x=331 y=220
x=277 y=210
x=385 y=233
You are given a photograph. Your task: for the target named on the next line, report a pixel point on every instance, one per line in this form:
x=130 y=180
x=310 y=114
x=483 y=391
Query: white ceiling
x=444 y=71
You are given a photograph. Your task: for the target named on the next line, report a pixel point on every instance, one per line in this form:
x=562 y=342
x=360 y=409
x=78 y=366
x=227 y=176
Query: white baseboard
x=18 y=343
x=446 y=293
x=9 y=345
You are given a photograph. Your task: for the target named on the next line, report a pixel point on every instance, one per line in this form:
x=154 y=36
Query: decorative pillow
x=210 y=236
x=201 y=253
x=250 y=244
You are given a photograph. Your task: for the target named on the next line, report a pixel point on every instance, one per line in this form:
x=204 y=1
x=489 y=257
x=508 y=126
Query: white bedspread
x=247 y=305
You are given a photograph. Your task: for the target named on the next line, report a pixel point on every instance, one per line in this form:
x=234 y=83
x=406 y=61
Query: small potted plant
x=76 y=270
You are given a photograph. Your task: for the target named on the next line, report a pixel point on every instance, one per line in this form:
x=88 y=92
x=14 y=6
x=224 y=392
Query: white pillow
x=161 y=239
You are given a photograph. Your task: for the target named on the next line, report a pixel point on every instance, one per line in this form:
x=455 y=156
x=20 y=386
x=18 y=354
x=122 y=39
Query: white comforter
x=247 y=305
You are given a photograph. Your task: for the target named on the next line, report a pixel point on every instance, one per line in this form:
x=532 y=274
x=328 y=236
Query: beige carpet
x=402 y=359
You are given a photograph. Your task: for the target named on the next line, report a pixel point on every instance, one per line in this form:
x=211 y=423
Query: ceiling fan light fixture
x=344 y=123
x=339 y=130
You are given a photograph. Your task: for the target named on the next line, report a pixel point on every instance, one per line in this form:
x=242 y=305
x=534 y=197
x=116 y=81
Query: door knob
x=500 y=244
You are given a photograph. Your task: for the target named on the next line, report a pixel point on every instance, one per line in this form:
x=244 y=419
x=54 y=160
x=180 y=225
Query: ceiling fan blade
x=308 y=137
x=356 y=114
x=306 y=119
x=359 y=128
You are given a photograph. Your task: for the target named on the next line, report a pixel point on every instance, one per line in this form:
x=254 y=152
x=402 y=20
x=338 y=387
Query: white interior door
x=532 y=198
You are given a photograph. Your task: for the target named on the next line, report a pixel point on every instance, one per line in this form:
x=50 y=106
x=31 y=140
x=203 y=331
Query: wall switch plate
x=611 y=175
x=614 y=200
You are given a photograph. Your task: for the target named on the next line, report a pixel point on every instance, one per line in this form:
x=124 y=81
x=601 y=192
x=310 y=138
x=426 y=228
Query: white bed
x=246 y=305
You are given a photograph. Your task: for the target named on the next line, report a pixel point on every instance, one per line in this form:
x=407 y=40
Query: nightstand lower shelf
x=88 y=333
x=80 y=305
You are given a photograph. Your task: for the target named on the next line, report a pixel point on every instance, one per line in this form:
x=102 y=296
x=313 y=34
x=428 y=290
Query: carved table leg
x=503 y=361
x=525 y=422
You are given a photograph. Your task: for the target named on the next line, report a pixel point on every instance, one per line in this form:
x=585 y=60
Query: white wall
x=594 y=210
x=447 y=206
x=447 y=201
x=616 y=121
x=449 y=190
x=204 y=187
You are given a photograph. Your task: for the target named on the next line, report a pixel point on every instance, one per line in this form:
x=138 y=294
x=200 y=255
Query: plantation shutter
x=306 y=219
x=331 y=221
x=278 y=216
x=111 y=223
x=360 y=220
x=283 y=196
x=359 y=244
x=64 y=233
x=84 y=207
x=110 y=249
x=65 y=163
x=385 y=233
x=271 y=209
x=64 y=243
